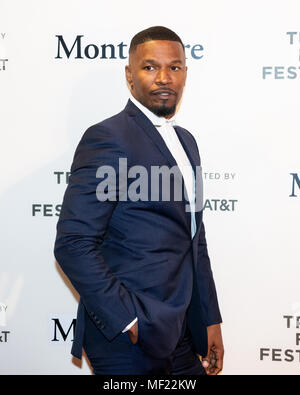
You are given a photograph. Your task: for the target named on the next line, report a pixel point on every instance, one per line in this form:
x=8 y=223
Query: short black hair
x=154 y=33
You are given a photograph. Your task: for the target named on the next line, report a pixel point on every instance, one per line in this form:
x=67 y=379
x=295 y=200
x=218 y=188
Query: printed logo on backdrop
x=280 y=72
x=3 y=333
x=3 y=57
x=62 y=328
x=10 y=291
x=47 y=209
x=219 y=204
x=79 y=47
x=295 y=185
x=282 y=354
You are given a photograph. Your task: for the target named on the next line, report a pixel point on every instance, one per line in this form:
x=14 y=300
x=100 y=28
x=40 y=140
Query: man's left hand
x=213 y=362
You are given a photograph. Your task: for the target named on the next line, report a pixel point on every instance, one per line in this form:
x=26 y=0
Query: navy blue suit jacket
x=132 y=259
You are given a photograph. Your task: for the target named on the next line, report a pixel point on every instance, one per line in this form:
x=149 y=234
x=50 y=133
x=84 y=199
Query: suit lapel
x=147 y=126
x=189 y=150
x=192 y=154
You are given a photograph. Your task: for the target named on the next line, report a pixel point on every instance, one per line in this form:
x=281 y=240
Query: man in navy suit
x=137 y=254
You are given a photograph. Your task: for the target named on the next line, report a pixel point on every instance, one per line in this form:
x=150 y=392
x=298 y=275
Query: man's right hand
x=133 y=333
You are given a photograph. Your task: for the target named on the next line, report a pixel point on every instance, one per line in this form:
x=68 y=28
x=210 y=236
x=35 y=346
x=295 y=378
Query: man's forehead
x=157 y=48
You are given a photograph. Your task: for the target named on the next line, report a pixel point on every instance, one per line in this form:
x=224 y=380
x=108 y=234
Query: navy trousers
x=121 y=356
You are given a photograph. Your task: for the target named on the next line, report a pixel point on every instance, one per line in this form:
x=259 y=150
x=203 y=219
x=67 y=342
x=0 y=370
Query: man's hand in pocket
x=133 y=333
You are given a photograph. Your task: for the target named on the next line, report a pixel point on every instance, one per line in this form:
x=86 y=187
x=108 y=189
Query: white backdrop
x=242 y=105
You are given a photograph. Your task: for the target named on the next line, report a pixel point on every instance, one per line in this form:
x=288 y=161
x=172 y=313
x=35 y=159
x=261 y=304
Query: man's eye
x=175 y=68
x=149 y=68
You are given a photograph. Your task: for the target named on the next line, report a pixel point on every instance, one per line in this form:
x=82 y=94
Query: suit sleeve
x=205 y=280
x=207 y=289
x=81 y=228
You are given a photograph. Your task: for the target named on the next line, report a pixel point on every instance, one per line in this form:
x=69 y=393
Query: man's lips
x=163 y=93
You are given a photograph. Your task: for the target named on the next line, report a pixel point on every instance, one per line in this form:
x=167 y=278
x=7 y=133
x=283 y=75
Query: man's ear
x=129 y=76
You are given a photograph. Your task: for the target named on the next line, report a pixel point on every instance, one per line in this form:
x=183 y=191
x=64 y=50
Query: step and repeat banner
x=62 y=70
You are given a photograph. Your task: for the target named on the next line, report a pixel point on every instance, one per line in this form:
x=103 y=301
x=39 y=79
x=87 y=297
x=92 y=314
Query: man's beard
x=163 y=111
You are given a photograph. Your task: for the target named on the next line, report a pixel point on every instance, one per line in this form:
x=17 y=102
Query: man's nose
x=163 y=77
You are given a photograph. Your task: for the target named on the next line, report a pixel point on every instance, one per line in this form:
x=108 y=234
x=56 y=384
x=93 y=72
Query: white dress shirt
x=169 y=135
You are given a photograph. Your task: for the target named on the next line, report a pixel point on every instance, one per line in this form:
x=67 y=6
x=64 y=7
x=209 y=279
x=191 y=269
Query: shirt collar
x=157 y=121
